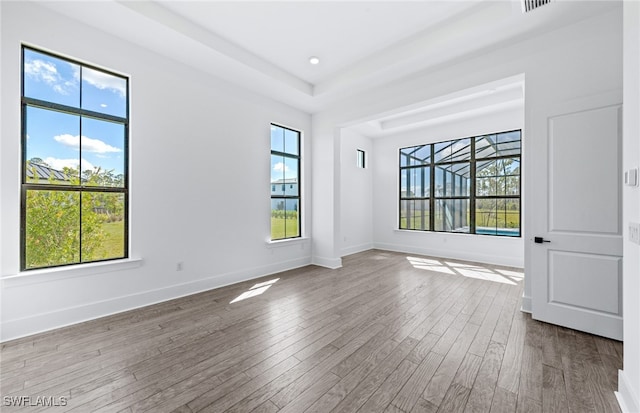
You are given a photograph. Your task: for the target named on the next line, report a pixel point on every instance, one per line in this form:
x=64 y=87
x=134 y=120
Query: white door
x=576 y=260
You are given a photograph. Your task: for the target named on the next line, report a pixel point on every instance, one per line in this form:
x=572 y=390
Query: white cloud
x=47 y=72
x=103 y=81
x=60 y=164
x=279 y=167
x=44 y=71
x=88 y=144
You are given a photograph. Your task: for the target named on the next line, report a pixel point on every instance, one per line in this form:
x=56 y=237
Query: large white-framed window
x=470 y=185
x=75 y=147
x=285 y=183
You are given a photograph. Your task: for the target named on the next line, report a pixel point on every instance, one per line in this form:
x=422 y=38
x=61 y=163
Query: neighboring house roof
x=44 y=172
x=285 y=181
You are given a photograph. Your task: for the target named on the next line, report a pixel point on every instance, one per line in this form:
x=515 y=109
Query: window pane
x=277 y=175
x=406 y=156
x=291 y=176
x=406 y=214
x=103 y=230
x=460 y=215
x=414 y=214
x=498 y=177
x=103 y=151
x=486 y=146
x=512 y=185
x=51 y=79
x=486 y=169
x=486 y=186
x=486 y=182
x=508 y=166
x=498 y=217
x=508 y=143
x=508 y=217
x=452 y=215
x=104 y=93
x=461 y=183
x=461 y=150
x=52 y=228
x=442 y=151
x=501 y=144
x=415 y=155
x=444 y=181
x=277 y=138
x=52 y=154
x=277 y=219
x=442 y=216
x=422 y=155
x=291 y=142
x=415 y=182
x=462 y=169
x=486 y=216
x=291 y=218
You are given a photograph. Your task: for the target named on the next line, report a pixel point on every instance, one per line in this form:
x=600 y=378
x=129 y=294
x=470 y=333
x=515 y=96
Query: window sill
x=287 y=242
x=71 y=271
x=434 y=233
x=455 y=234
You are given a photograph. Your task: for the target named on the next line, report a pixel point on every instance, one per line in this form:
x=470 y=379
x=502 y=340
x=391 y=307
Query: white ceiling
x=264 y=46
x=500 y=96
x=286 y=34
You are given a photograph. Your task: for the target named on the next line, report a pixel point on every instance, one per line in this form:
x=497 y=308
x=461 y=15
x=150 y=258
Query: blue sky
x=56 y=137
x=284 y=140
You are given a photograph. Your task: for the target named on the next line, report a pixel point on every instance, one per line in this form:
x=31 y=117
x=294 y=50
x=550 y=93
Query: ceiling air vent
x=528 y=5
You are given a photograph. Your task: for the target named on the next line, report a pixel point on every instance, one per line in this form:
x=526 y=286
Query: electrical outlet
x=634 y=232
x=179 y=266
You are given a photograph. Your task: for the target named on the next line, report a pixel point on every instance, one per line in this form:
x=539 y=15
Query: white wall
x=191 y=135
x=629 y=377
x=356 y=184
x=496 y=250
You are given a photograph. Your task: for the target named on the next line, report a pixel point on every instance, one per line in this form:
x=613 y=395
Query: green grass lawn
x=113 y=246
x=284 y=228
x=510 y=219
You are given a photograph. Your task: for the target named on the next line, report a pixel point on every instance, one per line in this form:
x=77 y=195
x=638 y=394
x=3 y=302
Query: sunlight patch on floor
x=257 y=289
x=467 y=270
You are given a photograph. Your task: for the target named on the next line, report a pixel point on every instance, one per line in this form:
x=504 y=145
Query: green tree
x=64 y=227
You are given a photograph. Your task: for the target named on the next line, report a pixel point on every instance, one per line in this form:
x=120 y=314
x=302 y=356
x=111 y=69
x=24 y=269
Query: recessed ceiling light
x=314 y=60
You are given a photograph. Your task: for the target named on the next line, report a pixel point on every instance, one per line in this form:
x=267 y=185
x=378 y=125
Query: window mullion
x=432 y=201
x=472 y=188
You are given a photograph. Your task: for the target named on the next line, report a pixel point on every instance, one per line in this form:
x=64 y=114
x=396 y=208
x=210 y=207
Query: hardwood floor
x=386 y=333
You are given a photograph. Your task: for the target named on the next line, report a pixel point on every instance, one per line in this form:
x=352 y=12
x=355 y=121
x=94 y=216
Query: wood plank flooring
x=387 y=332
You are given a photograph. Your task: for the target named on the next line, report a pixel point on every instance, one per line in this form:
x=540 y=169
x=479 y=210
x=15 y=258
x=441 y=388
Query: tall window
x=285 y=183
x=360 y=158
x=75 y=127
x=469 y=185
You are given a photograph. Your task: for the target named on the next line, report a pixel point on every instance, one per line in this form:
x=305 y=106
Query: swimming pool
x=507 y=232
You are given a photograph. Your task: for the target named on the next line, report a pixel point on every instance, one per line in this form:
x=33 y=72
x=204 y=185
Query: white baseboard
x=354 y=249
x=455 y=255
x=331 y=263
x=17 y=328
x=526 y=304
x=627 y=398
